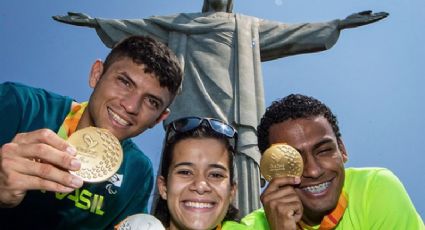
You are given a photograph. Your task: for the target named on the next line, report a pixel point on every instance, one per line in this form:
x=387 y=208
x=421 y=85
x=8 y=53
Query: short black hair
x=156 y=56
x=203 y=131
x=293 y=106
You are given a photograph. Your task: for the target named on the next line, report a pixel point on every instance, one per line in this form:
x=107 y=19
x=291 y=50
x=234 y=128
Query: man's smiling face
x=125 y=99
x=323 y=156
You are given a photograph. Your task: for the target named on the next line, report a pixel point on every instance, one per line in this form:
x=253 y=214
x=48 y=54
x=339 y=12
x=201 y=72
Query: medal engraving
x=99 y=151
x=281 y=160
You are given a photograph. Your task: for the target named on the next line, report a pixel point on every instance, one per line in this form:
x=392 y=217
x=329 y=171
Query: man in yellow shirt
x=326 y=196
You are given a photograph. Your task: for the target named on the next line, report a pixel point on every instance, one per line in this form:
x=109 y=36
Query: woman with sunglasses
x=196 y=185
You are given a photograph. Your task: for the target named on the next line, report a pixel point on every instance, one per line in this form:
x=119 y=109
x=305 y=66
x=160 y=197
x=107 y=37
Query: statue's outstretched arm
x=78 y=19
x=361 y=18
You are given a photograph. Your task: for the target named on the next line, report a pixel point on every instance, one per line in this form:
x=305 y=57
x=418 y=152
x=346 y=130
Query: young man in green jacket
x=132 y=90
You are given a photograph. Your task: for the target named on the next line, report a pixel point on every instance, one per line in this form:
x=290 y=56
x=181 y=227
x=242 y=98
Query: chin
x=322 y=208
x=121 y=135
x=201 y=225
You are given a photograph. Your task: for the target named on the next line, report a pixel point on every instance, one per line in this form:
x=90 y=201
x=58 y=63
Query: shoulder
x=13 y=89
x=372 y=181
x=175 y=18
x=256 y=220
x=32 y=108
x=24 y=95
x=135 y=157
x=137 y=169
x=130 y=147
x=21 y=89
x=377 y=176
x=376 y=197
x=8 y=85
x=233 y=225
x=369 y=188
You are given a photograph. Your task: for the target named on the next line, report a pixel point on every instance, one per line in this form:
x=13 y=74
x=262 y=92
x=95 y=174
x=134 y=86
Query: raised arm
x=279 y=40
x=361 y=18
x=281 y=204
x=77 y=19
x=111 y=31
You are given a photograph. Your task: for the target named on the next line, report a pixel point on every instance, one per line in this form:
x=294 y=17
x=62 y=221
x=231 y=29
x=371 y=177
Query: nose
x=131 y=103
x=200 y=185
x=312 y=167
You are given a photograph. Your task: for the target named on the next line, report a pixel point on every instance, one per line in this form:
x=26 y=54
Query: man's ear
x=161 y=117
x=95 y=73
x=162 y=187
x=343 y=151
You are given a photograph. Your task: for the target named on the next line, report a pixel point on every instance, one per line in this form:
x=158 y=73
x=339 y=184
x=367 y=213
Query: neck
x=311 y=218
x=176 y=227
x=217 y=8
x=85 y=120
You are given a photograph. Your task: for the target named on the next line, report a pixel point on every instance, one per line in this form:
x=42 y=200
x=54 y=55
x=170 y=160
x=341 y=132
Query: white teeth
x=117 y=118
x=317 y=188
x=198 y=204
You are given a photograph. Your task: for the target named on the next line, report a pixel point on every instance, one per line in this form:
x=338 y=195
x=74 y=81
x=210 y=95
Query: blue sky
x=372 y=78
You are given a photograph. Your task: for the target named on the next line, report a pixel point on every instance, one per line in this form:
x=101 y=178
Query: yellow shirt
x=376 y=200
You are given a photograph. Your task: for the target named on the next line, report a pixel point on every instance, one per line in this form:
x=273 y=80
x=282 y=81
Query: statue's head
x=215 y=5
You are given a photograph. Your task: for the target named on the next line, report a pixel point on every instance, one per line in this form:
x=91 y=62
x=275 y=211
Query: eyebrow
x=322 y=142
x=127 y=77
x=183 y=164
x=218 y=166
x=209 y=165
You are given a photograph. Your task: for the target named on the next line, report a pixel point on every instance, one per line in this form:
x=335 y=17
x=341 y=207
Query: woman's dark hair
x=203 y=131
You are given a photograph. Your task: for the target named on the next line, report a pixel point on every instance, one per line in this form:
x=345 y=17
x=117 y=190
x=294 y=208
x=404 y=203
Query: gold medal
x=281 y=160
x=99 y=151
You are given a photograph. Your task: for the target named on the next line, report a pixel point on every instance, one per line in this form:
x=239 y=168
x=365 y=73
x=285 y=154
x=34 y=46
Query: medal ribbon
x=330 y=221
x=70 y=123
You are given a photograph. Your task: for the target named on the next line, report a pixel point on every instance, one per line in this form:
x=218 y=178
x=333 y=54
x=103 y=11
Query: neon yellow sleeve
x=232 y=225
x=378 y=200
x=256 y=220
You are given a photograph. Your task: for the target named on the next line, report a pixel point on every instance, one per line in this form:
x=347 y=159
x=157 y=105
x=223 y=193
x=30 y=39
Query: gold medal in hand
x=281 y=160
x=99 y=152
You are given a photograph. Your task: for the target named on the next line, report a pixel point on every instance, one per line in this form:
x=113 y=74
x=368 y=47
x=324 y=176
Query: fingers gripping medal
x=281 y=160
x=99 y=151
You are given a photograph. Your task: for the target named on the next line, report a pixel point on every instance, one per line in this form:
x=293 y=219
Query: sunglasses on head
x=187 y=124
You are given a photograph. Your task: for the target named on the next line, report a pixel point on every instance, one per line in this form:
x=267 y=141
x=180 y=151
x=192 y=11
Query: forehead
x=136 y=72
x=200 y=151
x=126 y=64
x=302 y=130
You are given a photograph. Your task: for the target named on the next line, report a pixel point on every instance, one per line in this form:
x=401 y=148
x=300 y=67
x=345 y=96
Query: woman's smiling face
x=198 y=189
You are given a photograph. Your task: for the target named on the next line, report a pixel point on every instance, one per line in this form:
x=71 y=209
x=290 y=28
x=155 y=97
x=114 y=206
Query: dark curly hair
x=203 y=131
x=157 y=58
x=293 y=106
